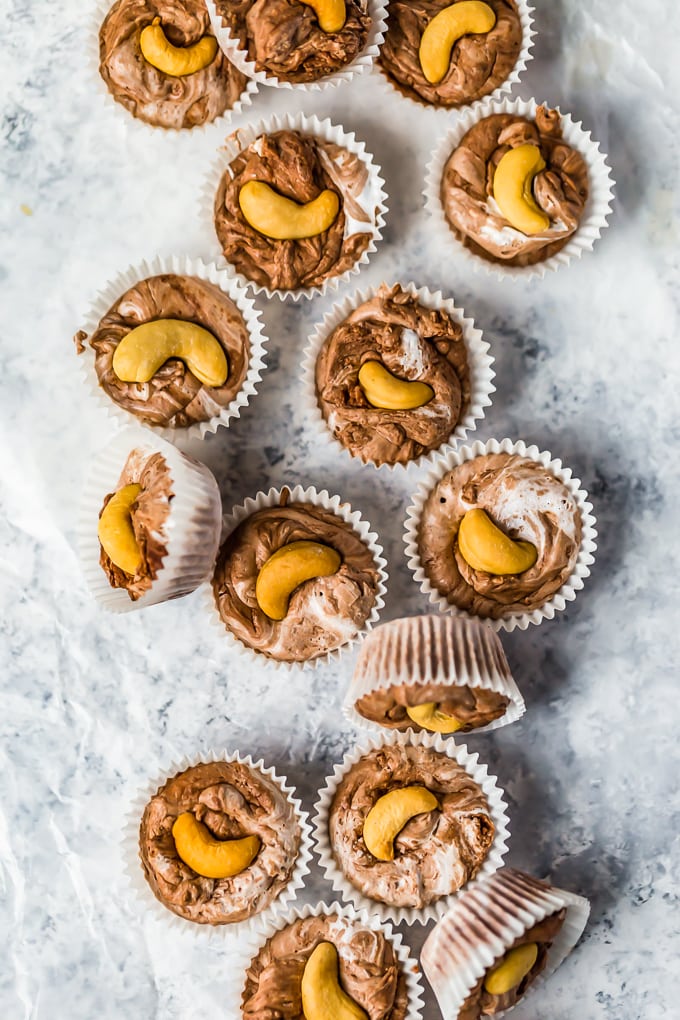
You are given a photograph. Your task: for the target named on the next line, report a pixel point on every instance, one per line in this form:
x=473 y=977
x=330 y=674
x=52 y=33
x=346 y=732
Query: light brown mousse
x=472 y=706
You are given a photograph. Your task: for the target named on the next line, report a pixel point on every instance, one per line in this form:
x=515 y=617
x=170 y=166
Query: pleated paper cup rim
x=477 y=771
x=139 y=891
x=479 y=364
x=407 y=964
x=368 y=675
x=360 y=526
x=453 y=981
x=525 y=56
x=191 y=531
x=326 y=131
x=117 y=110
x=377 y=9
x=598 y=207
x=586 y=555
x=180 y=265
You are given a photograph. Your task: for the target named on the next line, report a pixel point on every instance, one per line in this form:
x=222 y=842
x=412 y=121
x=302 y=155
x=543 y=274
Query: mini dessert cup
x=139 y=891
x=179 y=266
x=298 y=494
x=191 y=532
x=484 y=923
x=598 y=207
x=558 y=601
x=479 y=362
x=422 y=650
x=361 y=63
x=477 y=771
x=373 y=198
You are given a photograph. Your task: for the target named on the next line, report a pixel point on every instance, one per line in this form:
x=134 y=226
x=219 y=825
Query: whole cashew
x=283 y=219
x=485 y=547
x=382 y=389
x=115 y=530
x=146 y=348
x=176 y=61
x=465 y=18
x=288 y=568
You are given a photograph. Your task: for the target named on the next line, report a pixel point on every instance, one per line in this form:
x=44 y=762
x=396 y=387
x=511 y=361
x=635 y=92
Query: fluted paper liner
x=179 y=265
x=298 y=494
x=191 y=531
x=138 y=889
x=377 y=9
x=374 y=196
x=567 y=593
x=421 y=650
x=479 y=364
x=483 y=924
x=598 y=207
x=474 y=768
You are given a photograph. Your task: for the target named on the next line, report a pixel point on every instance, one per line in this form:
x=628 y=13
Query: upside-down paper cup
x=298 y=494
x=567 y=593
x=479 y=363
x=191 y=531
x=598 y=207
x=478 y=772
x=372 y=199
x=179 y=265
x=139 y=891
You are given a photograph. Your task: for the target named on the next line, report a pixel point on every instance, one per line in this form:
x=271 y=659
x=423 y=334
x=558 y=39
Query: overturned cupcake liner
x=567 y=593
x=180 y=265
x=482 y=925
x=432 y=650
x=231 y=45
x=376 y=196
x=524 y=57
x=298 y=494
x=192 y=529
x=479 y=363
x=474 y=768
x=139 y=891
x=598 y=207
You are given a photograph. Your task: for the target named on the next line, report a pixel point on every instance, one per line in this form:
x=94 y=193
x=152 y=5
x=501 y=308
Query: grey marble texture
x=587 y=366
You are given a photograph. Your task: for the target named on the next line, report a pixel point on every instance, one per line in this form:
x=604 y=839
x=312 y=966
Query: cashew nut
x=282 y=218
x=176 y=61
x=485 y=547
x=511 y=969
x=430 y=717
x=469 y=17
x=144 y=349
x=322 y=995
x=115 y=530
x=389 y=815
x=331 y=14
x=512 y=184
x=382 y=389
x=212 y=858
x=288 y=568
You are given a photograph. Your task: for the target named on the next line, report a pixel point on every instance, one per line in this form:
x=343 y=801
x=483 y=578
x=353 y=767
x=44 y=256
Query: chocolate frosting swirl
x=473 y=706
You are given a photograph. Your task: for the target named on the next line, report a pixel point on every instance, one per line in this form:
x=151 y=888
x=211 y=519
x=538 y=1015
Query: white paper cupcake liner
x=482 y=925
x=298 y=494
x=374 y=196
x=192 y=529
x=361 y=63
x=567 y=593
x=526 y=17
x=432 y=650
x=474 y=768
x=479 y=363
x=598 y=207
x=179 y=265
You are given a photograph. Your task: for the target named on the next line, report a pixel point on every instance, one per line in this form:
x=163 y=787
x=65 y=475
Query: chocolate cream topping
x=479 y=63
x=527 y=502
x=149 y=94
x=233 y=801
x=560 y=190
x=368 y=968
x=299 y=167
x=149 y=515
x=174 y=397
x=473 y=706
x=412 y=342
x=435 y=853
x=283 y=37
x=323 y=613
